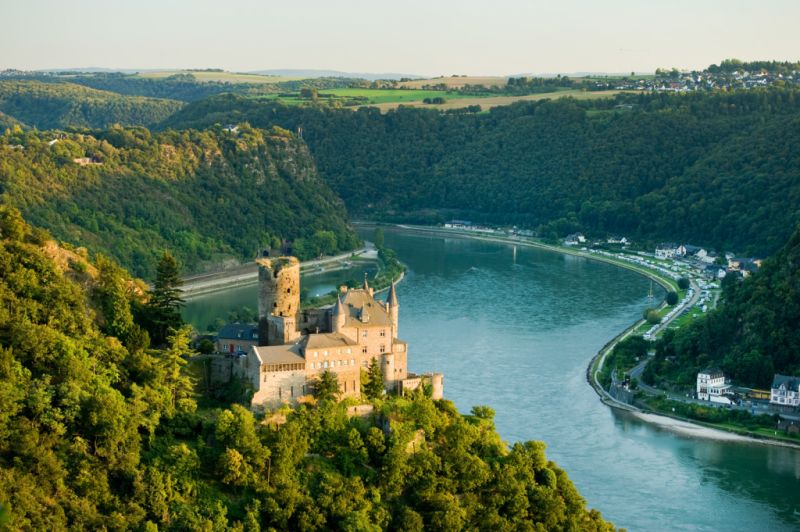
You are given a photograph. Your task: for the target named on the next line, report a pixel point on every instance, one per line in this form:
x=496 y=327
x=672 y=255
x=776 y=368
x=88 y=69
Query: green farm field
x=488 y=102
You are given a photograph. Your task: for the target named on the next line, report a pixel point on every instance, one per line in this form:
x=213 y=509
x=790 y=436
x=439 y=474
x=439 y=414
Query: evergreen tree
x=113 y=300
x=179 y=387
x=326 y=386
x=372 y=380
x=164 y=307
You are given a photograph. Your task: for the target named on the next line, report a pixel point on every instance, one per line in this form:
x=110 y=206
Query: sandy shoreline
x=693 y=430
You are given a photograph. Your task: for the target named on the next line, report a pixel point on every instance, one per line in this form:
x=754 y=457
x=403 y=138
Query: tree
x=372 y=380
x=672 y=298
x=113 y=299
x=324 y=242
x=164 y=307
x=180 y=388
x=378 y=237
x=683 y=283
x=651 y=315
x=12 y=226
x=326 y=386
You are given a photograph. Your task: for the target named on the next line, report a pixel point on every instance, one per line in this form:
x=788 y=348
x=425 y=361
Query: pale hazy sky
x=412 y=36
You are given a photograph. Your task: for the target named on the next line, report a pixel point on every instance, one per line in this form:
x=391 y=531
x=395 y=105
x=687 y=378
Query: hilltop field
x=207 y=76
x=388 y=99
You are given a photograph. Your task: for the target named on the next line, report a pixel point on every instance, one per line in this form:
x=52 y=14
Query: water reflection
x=204 y=310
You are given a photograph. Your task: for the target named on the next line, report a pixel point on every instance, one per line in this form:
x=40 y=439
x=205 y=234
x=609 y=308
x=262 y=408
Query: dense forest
x=98 y=430
x=716 y=169
x=182 y=86
x=751 y=335
x=210 y=196
x=62 y=105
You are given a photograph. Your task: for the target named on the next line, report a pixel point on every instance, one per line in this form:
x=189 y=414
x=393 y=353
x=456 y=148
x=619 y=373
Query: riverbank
x=673 y=423
x=247 y=274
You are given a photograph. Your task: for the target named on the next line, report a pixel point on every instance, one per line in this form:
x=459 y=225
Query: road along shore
x=247 y=274
x=672 y=423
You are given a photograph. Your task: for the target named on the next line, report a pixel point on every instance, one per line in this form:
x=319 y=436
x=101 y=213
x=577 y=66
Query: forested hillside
x=207 y=195
x=183 y=86
x=752 y=334
x=62 y=105
x=99 y=431
x=716 y=169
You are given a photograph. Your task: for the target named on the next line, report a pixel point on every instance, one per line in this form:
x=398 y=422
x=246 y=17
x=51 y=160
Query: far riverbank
x=246 y=274
x=662 y=419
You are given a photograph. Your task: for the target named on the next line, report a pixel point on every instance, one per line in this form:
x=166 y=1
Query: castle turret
x=338 y=316
x=367 y=289
x=278 y=299
x=393 y=305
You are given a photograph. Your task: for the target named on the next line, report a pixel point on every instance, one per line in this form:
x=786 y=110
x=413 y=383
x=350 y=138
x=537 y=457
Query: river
x=514 y=329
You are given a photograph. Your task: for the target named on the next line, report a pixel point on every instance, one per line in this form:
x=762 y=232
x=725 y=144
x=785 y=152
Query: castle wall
x=278 y=387
x=413 y=382
x=281 y=330
x=314 y=320
x=395 y=366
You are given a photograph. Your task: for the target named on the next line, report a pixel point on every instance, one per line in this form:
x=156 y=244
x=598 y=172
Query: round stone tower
x=437 y=385
x=278 y=295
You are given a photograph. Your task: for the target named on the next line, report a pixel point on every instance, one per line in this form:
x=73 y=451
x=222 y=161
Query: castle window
x=316 y=353
x=364 y=333
x=383 y=348
x=364 y=350
x=348 y=351
x=383 y=332
x=326 y=364
x=352 y=361
x=325 y=353
x=291 y=391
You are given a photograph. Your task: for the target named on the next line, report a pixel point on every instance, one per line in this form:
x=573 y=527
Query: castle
x=296 y=346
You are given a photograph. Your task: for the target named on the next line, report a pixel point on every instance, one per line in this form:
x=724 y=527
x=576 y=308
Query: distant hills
x=61 y=105
x=311 y=73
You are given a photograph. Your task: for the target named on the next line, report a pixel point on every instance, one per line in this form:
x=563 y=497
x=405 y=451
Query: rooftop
x=239 y=331
x=358 y=303
x=279 y=354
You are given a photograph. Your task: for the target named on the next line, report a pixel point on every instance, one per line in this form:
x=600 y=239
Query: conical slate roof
x=339 y=308
x=391 y=300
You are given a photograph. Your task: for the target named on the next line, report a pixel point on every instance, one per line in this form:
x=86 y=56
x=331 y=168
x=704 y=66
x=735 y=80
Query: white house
x=666 y=251
x=785 y=390
x=713 y=386
x=618 y=240
x=574 y=239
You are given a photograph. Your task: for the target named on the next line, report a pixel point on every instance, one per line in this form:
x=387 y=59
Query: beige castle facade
x=297 y=346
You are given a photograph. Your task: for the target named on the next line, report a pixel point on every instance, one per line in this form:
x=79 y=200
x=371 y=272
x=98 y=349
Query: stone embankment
x=205 y=283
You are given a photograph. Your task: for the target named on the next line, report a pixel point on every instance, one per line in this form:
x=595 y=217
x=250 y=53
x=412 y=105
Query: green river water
x=514 y=328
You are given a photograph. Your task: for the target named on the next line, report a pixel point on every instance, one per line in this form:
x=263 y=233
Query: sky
x=423 y=37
